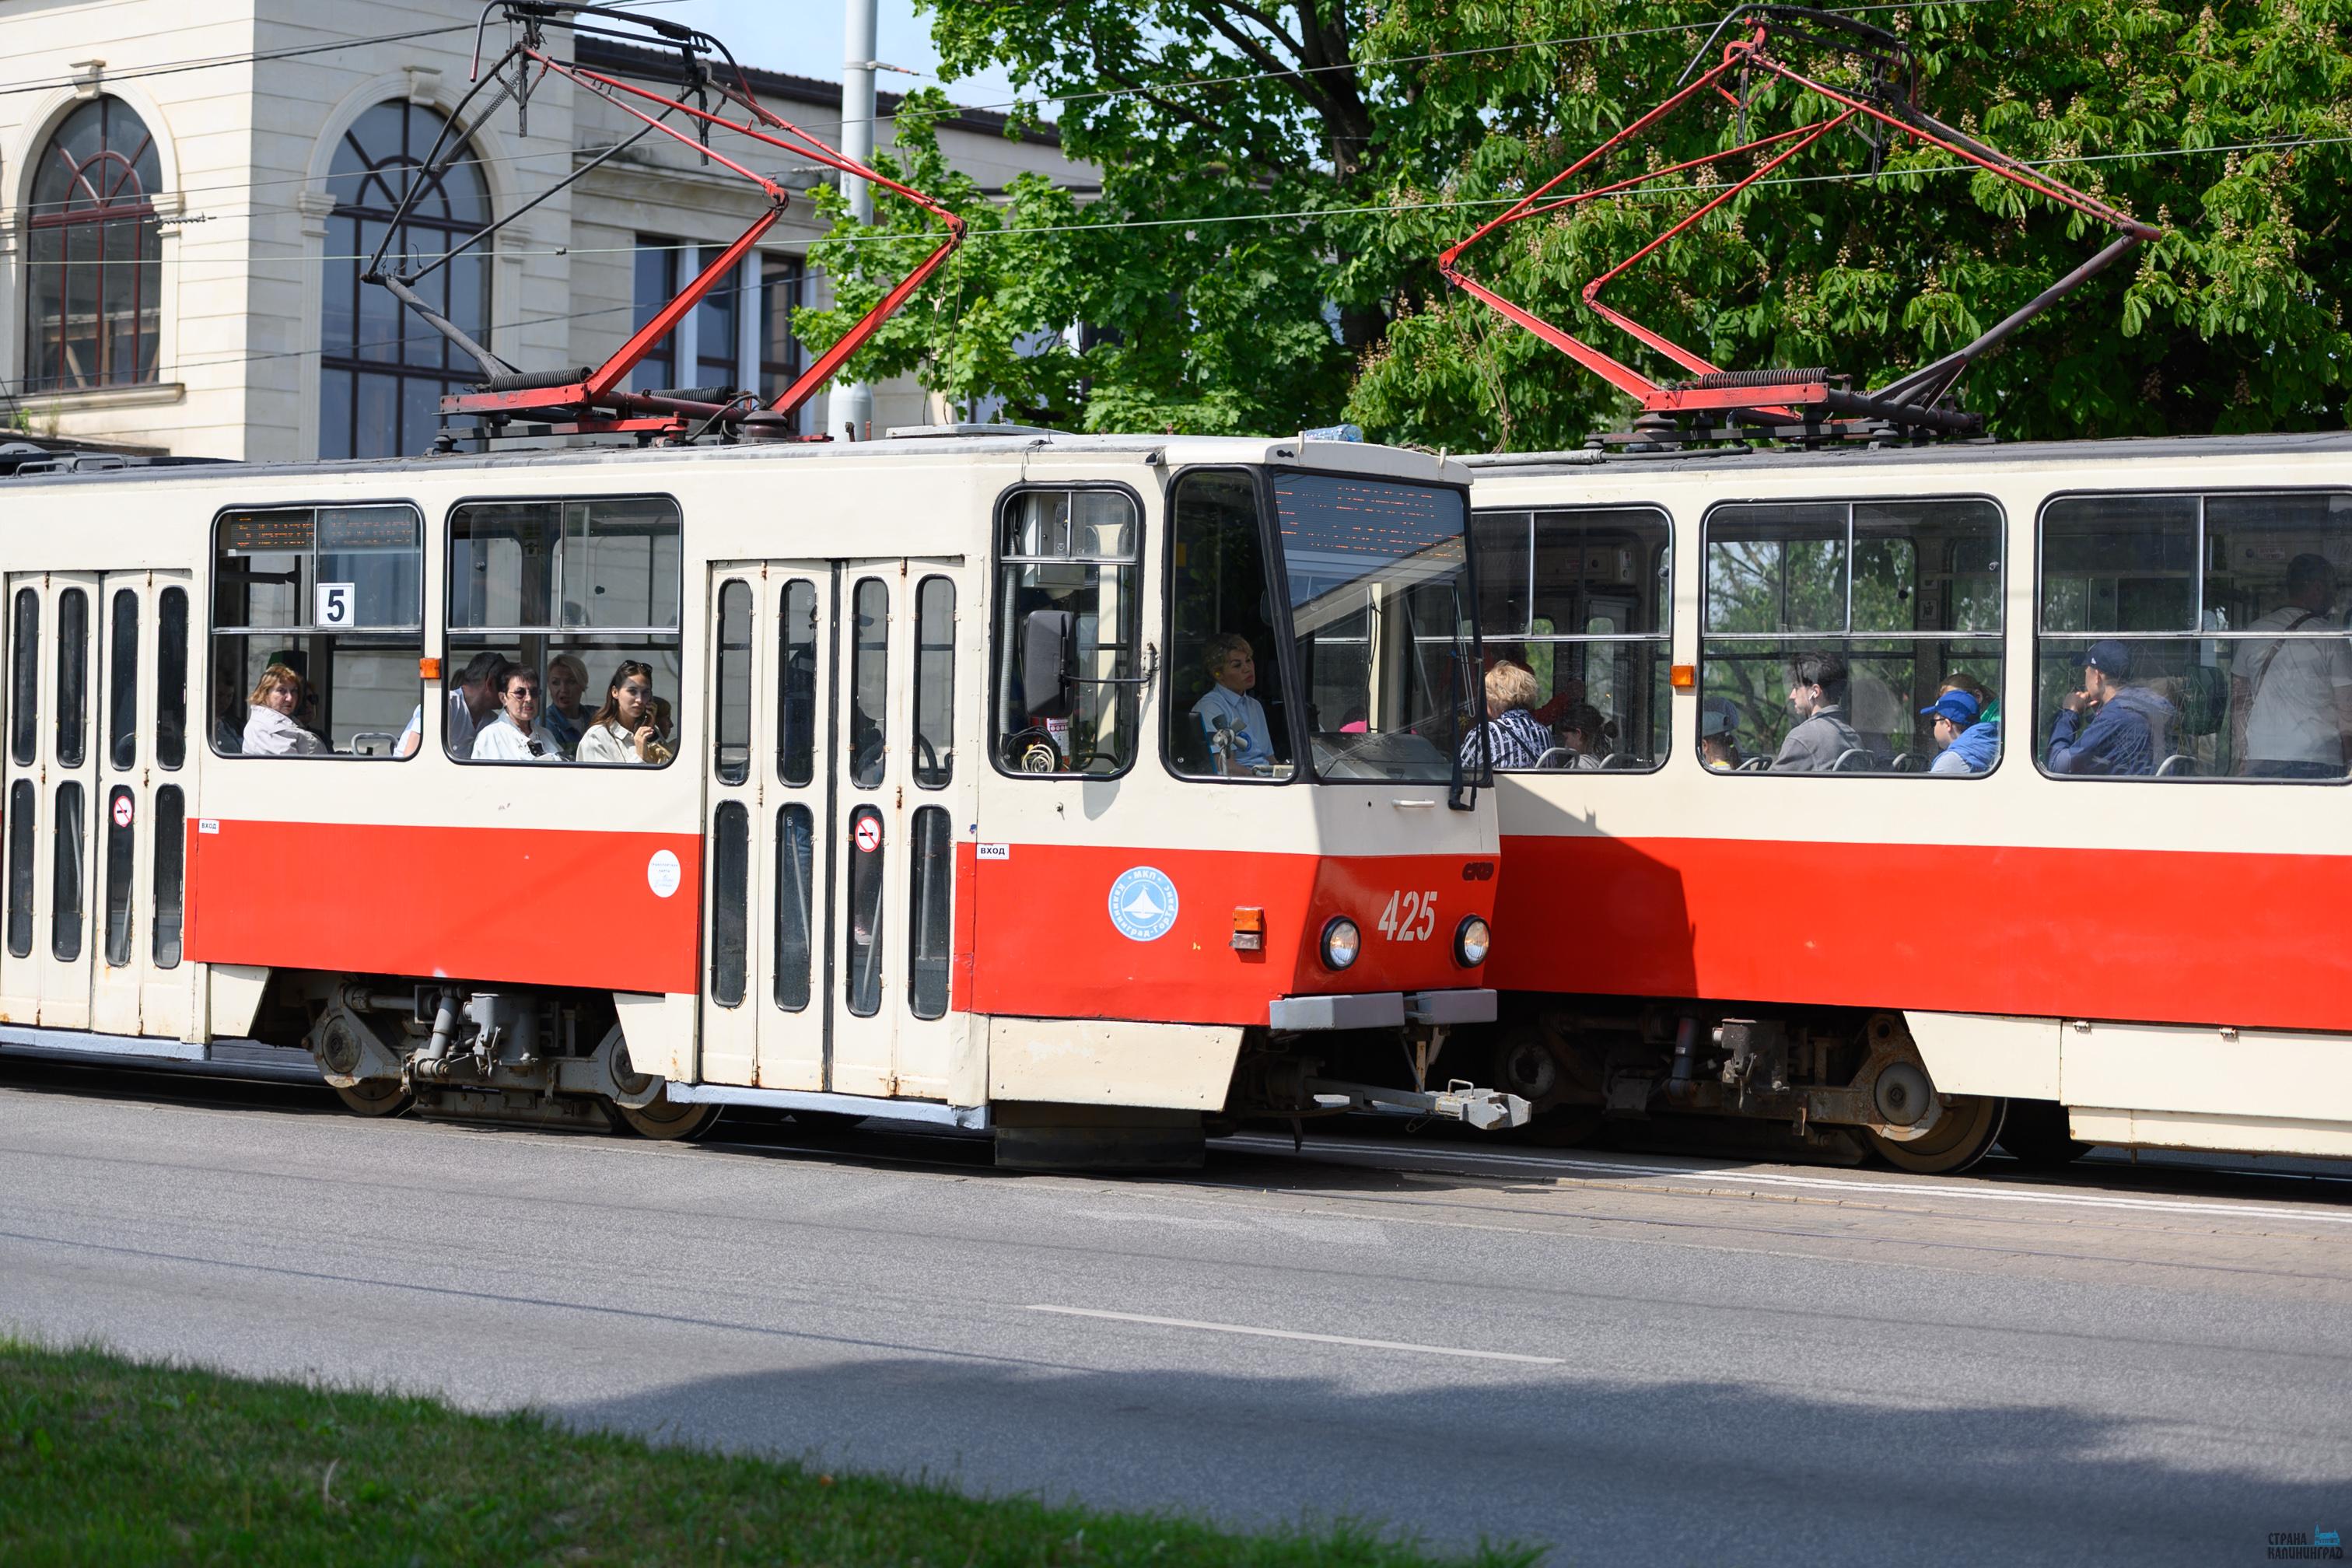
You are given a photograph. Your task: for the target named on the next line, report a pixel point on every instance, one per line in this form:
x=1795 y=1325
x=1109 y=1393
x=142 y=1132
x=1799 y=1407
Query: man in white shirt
x=516 y=735
x=470 y=700
x=2290 y=696
x=1230 y=717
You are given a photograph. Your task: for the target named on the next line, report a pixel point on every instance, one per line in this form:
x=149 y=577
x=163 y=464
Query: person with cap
x=1719 y=723
x=2109 y=726
x=1817 y=688
x=2291 y=697
x=1968 y=742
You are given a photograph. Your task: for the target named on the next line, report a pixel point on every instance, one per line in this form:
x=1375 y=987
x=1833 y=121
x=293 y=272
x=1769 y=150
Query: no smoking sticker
x=869 y=835
x=121 y=811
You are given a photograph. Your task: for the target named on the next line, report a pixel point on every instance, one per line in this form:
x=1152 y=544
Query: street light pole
x=853 y=402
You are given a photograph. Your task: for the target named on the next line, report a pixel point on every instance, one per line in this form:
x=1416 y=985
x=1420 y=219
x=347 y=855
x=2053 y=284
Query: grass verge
x=107 y=1460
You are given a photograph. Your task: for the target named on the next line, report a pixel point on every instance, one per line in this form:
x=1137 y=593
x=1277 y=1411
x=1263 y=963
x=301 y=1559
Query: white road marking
x=1294 y=1334
x=1863 y=1185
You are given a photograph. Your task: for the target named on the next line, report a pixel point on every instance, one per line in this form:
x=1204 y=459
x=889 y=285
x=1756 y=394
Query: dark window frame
x=997 y=562
x=1284 y=652
x=121 y=196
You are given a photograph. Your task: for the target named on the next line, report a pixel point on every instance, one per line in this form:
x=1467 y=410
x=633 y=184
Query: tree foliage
x=1277 y=180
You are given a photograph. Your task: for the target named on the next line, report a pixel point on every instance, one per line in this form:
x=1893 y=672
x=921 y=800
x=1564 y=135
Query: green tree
x=1277 y=180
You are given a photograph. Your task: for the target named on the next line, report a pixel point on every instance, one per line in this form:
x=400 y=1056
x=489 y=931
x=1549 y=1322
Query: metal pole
x=852 y=408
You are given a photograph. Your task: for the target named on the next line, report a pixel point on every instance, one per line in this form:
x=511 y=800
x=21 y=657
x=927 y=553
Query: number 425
x=1410 y=917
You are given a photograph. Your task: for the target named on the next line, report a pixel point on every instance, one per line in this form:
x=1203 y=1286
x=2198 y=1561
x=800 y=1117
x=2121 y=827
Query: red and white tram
x=2044 y=949
x=914 y=797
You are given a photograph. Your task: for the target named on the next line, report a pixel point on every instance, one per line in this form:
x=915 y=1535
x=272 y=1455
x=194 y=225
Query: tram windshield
x=1382 y=617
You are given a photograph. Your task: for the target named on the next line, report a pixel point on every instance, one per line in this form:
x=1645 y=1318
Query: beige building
x=188 y=189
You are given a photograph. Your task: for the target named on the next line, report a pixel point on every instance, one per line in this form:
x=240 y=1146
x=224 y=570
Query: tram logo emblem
x=1143 y=904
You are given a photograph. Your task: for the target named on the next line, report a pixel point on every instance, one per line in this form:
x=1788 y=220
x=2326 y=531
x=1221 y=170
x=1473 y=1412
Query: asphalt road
x=1627 y=1358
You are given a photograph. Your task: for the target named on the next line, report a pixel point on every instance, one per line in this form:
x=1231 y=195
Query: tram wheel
x=664 y=1121
x=1965 y=1133
x=375 y=1095
x=2035 y=1134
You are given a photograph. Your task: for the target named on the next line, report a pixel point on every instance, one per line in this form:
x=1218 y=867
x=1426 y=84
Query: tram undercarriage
x=1839 y=1083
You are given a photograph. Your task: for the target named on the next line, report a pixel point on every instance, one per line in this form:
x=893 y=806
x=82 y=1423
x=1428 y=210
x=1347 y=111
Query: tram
x=1085 y=790
x=2034 y=947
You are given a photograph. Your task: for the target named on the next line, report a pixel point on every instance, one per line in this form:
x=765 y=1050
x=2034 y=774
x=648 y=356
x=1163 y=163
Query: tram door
x=94 y=812
x=831 y=850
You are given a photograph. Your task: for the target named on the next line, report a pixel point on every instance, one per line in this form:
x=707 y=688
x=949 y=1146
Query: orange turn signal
x=1249 y=931
x=1683 y=677
x=430 y=669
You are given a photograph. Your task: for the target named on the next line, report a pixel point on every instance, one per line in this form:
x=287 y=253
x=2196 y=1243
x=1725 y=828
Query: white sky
x=804 y=37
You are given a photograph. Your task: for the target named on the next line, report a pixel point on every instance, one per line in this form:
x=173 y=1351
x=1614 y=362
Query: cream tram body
x=2161 y=954
x=846 y=891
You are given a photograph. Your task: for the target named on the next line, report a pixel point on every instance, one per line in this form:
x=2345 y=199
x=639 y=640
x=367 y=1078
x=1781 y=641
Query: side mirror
x=1049 y=657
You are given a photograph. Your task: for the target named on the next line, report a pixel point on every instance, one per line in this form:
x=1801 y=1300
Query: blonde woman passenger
x=269 y=727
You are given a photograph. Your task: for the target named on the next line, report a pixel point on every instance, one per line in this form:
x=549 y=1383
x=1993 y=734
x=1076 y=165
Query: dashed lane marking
x=1294 y=1334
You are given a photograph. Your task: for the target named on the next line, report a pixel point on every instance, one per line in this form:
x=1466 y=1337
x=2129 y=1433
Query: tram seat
x=1620 y=762
x=1755 y=765
x=2179 y=765
x=1556 y=759
x=1854 y=760
x=1907 y=762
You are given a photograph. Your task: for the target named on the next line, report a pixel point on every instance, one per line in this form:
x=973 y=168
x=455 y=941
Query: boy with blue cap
x=2129 y=725
x=1970 y=741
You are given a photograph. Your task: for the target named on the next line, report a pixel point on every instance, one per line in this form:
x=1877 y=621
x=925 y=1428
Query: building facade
x=189 y=192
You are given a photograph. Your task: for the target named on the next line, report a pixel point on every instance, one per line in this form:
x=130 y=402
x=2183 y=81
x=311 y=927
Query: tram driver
x=470 y=701
x=516 y=735
x=1817 y=690
x=1232 y=720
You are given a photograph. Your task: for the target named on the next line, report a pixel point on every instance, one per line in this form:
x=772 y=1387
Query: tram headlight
x=1341 y=942
x=1470 y=940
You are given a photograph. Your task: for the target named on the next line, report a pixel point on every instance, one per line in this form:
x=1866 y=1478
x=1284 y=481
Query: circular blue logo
x=1143 y=904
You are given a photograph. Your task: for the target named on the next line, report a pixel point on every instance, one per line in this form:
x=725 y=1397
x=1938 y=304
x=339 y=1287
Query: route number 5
x=337 y=601
x=1410 y=917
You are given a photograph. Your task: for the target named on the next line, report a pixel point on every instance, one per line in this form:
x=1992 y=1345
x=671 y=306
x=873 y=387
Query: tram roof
x=1956 y=453
x=919 y=443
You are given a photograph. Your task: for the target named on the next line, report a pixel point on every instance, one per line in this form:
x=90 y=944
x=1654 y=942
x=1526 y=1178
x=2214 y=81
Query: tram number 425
x=1410 y=917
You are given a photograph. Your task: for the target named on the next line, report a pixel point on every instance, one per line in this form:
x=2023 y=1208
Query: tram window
x=335 y=596
x=931 y=865
x=869 y=682
x=864 y=936
x=1583 y=600
x=73 y=675
x=586 y=593
x=2195 y=637
x=795 y=901
x=172 y=677
x=122 y=684
x=24 y=679
x=1868 y=611
x=1068 y=632
x=121 y=853
x=731 y=738
x=66 y=874
x=171 y=847
x=935 y=623
x=796 y=685
x=730 y=866
x=1227 y=716
x=23 y=809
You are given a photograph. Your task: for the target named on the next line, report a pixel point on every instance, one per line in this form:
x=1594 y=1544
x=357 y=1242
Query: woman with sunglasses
x=622 y=731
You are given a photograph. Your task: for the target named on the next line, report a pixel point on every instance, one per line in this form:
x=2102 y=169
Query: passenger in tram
x=1817 y=684
x=2291 y=698
x=1233 y=720
x=1518 y=737
x=229 y=710
x=516 y=735
x=1968 y=744
x=2110 y=727
x=622 y=732
x=1717 y=747
x=269 y=727
x=1586 y=732
x=566 y=719
x=470 y=701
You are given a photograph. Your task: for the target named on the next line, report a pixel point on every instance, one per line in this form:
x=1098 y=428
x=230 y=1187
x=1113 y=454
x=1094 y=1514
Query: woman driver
x=623 y=730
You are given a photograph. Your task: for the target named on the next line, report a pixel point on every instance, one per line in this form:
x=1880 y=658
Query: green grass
x=104 y=1460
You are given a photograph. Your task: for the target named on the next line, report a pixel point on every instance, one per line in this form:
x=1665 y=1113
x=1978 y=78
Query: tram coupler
x=1484 y=1108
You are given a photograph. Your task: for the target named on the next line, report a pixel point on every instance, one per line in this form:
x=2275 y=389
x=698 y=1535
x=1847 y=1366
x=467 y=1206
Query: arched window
x=382 y=370
x=95 y=273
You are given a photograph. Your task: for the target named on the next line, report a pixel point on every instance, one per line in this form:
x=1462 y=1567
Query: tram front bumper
x=1380 y=1010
